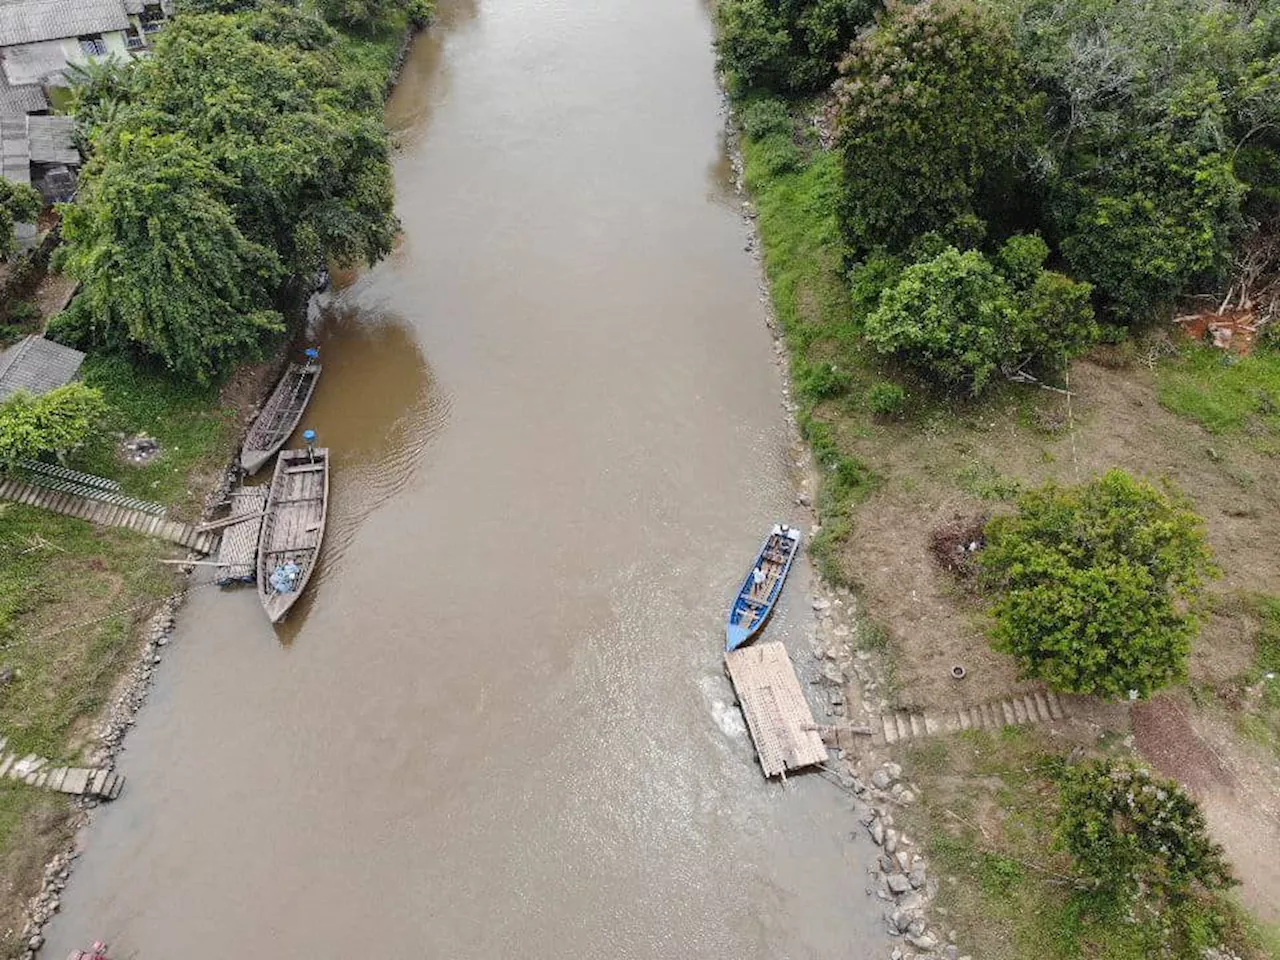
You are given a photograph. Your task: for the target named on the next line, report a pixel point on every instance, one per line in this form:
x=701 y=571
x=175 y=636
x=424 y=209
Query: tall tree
x=162 y=262
x=934 y=112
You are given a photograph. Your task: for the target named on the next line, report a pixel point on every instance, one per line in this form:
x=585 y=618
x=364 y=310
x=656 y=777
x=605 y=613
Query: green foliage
x=54 y=422
x=1097 y=585
x=787 y=46
x=820 y=381
x=162 y=262
x=960 y=321
x=363 y=15
x=1133 y=833
x=1224 y=393
x=886 y=399
x=420 y=12
x=933 y=111
x=765 y=116
x=19 y=203
x=1021 y=259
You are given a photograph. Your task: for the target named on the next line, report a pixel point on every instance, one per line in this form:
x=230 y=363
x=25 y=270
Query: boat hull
x=293 y=529
x=280 y=416
x=755 y=600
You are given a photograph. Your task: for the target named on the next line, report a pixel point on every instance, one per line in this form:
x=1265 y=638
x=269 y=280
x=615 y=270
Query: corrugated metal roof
x=15 y=150
x=51 y=140
x=22 y=99
x=30 y=21
x=37 y=365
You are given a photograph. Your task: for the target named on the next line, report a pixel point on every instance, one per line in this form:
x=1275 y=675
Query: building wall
x=34 y=62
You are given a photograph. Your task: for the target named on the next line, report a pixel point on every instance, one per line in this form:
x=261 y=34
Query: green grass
x=1259 y=713
x=1223 y=393
x=195 y=435
x=987 y=818
x=56 y=572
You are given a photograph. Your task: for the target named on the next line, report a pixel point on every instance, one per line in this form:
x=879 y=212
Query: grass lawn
x=1224 y=393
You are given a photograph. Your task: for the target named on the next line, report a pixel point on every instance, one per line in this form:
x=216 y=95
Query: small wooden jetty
x=775 y=709
x=280 y=415
x=289 y=544
x=239 y=549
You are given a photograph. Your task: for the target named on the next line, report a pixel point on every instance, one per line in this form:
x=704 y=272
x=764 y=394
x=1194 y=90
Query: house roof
x=30 y=21
x=37 y=365
x=51 y=140
x=18 y=100
x=15 y=150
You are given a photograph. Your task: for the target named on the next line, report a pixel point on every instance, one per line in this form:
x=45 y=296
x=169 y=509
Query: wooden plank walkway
x=1039 y=707
x=775 y=709
x=107 y=514
x=97 y=782
x=238 y=553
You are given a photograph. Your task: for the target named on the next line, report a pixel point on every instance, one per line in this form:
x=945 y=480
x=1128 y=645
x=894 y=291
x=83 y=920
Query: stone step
x=1037 y=707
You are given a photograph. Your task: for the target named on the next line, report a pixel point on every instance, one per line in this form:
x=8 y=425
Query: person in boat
x=757 y=580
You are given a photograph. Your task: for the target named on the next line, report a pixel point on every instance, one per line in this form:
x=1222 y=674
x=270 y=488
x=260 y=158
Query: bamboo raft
x=280 y=416
x=239 y=544
x=292 y=529
x=777 y=714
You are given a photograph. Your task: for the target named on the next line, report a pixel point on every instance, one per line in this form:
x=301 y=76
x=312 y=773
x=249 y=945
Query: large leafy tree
x=19 y=203
x=786 y=46
x=162 y=262
x=1096 y=586
x=309 y=172
x=54 y=422
x=934 y=113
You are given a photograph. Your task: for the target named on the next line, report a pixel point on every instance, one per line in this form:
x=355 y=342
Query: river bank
x=897 y=622
x=93 y=608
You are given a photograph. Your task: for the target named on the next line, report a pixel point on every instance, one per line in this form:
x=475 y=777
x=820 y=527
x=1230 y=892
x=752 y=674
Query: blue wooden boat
x=763 y=586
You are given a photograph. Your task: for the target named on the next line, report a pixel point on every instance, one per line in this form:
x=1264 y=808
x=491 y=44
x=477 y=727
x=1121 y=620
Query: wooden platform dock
x=775 y=709
x=238 y=553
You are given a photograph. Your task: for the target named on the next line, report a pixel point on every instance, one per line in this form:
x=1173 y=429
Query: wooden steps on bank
x=108 y=514
x=96 y=782
x=994 y=715
x=777 y=714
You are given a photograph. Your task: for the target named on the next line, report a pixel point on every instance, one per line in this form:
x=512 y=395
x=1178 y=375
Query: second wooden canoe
x=293 y=528
x=280 y=415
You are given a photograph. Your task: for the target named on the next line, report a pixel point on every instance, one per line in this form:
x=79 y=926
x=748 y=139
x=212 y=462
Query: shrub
x=55 y=422
x=19 y=203
x=887 y=399
x=1097 y=585
x=952 y=316
x=933 y=109
x=1129 y=831
x=765 y=116
x=821 y=381
x=420 y=12
x=777 y=154
x=1021 y=259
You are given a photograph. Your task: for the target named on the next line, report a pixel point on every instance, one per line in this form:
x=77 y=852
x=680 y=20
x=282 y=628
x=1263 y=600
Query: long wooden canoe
x=760 y=591
x=280 y=415
x=289 y=544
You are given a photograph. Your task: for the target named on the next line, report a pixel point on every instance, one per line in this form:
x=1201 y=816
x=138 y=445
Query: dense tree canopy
x=786 y=45
x=1096 y=585
x=241 y=153
x=934 y=113
x=161 y=259
x=55 y=422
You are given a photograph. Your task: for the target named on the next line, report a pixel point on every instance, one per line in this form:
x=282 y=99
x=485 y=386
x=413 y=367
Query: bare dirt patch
x=974 y=461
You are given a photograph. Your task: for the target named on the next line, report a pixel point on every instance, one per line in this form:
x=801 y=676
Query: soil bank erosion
x=499 y=725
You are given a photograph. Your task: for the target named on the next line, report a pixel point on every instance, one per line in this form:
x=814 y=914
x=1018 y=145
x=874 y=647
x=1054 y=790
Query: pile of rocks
x=46 y=903
x=900 y=876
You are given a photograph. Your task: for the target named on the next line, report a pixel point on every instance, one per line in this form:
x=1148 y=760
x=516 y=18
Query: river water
x=498 y=725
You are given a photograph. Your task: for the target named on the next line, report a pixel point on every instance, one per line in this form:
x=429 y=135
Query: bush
x=1097 y=585
x=821 y=381
x=952 y=316
x=19 y=203
x=1129 y=832
x=420 y=12
x=766 y=116
x=363 y=15
x=55 y=422
x=887 y=399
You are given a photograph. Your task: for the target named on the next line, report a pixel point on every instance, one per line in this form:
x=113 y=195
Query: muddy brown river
x=498 y=726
